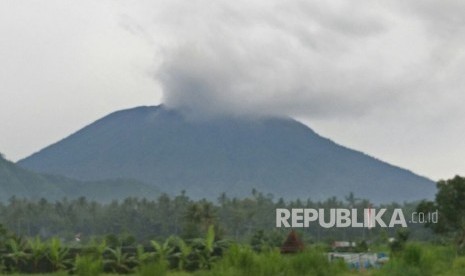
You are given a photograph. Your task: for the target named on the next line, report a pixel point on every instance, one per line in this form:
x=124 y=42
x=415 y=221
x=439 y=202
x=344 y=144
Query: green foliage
x=117 y=261
x=398 y=244
x=450 y=204
x=362 y=246
x=421 y=259
x=58 y=254
x=38 y=250
x=163 y=250
x=207 y=255
x=142 y=257
x=88 y=266
x=124 y=223
x=459 y=265
x=242 y=260
x=199 y=216
x=204 y=257
x=203 y=250
x=16 y=252
x=261 y=242
x=159 y=268
x=182 y=253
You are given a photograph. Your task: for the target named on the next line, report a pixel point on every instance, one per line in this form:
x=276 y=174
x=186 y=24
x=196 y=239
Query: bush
x=242 y=260
x=419 y=259
x=159 y=268
x=458 y=266
x=315 y=262
x=88 y=266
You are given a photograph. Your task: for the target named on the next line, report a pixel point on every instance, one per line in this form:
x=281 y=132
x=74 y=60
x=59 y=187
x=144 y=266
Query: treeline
x=138 y=219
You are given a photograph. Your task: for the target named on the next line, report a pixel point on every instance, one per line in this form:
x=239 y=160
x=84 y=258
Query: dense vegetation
x=142 y=219
x=177 y=235
x=209 y=256
x=181 y=236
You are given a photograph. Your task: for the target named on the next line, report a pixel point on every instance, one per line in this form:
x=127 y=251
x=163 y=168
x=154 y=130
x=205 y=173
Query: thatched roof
x=293 y=244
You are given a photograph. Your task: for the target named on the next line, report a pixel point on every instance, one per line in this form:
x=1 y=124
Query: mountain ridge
x=166 y=148
x=22 y=183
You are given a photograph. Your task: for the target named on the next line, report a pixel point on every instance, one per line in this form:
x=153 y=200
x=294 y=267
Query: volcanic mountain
x=208 y=156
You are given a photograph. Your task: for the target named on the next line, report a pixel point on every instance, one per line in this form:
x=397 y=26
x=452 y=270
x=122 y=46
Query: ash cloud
x=272 y=58
x=316 y=59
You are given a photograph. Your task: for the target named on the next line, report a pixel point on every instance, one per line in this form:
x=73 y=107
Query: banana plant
x=142 y=257
x=38 y=251
x=183 y=254
x=118 y=261
x=58 y=255
x=16 y=252
x=87 y=266
x=203 y=249
x=98 y=248
x=162 y=251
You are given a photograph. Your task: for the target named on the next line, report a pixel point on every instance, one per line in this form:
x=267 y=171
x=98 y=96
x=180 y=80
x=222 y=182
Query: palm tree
x=194 y=213
x=201 y=215
x=208 y=214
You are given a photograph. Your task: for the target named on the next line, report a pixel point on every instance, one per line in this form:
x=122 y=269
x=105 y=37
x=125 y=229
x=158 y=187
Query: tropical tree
x=162 y=250
x=117 y=261
x=182 y=254
x=87 y=265
x=143 y=257
x=57 y=254
x=16 y=252
x=38 y=251
x=203 y=249
x=450 y=206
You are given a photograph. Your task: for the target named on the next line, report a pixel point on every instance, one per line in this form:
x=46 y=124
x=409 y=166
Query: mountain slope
x=19 y=182
x=163 y=147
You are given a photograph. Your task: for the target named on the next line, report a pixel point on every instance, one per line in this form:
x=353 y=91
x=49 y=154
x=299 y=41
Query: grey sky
x=383 y=77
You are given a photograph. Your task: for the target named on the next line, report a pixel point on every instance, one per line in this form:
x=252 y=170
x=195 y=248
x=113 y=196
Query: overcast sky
x=383 y=77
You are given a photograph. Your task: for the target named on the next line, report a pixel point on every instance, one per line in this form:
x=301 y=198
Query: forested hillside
x=19 y=182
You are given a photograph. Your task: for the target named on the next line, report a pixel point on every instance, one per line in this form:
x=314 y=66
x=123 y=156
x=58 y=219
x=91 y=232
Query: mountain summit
x=205 y=157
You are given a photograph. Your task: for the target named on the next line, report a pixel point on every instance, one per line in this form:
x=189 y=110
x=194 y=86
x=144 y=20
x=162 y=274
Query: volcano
x=205 y=157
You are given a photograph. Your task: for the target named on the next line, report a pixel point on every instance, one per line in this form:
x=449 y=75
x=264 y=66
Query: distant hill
x=206 y=157
x=19 y=182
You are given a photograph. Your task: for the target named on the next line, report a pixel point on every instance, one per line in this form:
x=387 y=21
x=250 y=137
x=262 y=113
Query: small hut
x=293 y=244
